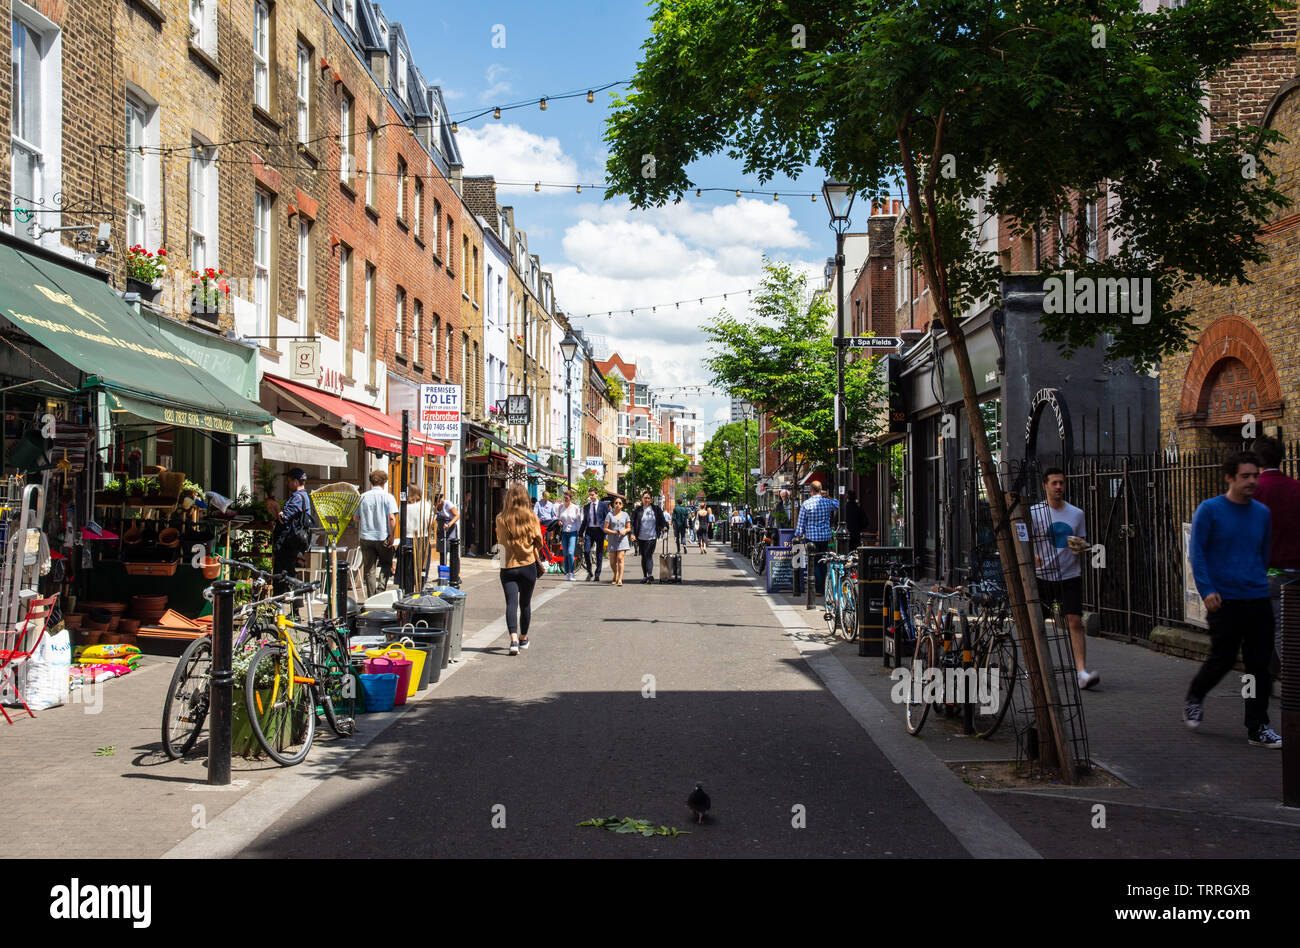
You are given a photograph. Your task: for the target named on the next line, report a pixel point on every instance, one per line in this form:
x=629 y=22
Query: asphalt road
x=568 y=730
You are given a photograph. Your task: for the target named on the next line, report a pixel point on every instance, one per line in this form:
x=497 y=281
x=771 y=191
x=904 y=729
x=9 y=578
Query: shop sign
x=440 y=412
x=304 y=360
x=518 y=409
x=596 y=464
x=330 y=380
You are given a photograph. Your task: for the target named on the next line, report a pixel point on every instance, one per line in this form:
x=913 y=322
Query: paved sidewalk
x=1208 y=786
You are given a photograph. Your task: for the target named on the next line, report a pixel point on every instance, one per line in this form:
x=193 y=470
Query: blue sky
x=604 y=255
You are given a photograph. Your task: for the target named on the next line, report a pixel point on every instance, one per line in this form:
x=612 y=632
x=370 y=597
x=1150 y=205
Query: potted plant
x=208 y=288
x=243 y=740
x=190 y=492
x=135 y=491
x=145 y=272
x=112 y=493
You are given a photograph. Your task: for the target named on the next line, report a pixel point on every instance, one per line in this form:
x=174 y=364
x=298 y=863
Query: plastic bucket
x=383 y=664
x=444 y=575
x=433 y=642
x=415 y=656
x=378 y=692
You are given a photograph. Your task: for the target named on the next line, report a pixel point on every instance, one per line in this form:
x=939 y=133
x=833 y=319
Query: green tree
x=1022 y=109
x=652 y=462
x=782 y=358
x=717 y=469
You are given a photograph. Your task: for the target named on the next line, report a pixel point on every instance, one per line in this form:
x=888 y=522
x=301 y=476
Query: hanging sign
x=518 y=409
x=440 y=412
x=304 y=360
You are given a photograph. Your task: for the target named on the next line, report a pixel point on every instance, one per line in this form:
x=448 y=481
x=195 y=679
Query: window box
x=149 y=292
x=208 y=310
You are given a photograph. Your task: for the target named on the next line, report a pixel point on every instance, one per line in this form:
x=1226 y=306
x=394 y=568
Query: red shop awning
x=380 y=432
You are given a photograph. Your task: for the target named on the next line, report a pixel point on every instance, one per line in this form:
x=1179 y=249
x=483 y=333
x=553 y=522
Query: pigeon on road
x=699 y=802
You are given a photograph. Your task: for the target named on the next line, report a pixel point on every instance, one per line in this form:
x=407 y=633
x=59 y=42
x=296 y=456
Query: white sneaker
x=1087 y=679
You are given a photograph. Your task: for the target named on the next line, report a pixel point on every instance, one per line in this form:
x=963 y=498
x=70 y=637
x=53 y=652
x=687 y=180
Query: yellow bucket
x=415 y=656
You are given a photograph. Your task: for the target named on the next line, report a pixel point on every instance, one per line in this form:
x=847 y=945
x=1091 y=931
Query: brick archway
x=1228 y=337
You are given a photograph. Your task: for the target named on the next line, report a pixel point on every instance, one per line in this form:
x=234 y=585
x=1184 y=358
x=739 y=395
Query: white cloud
x=511 y=153
x=497 y=85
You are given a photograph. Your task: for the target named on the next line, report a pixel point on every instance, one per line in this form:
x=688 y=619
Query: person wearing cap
x=291 y=536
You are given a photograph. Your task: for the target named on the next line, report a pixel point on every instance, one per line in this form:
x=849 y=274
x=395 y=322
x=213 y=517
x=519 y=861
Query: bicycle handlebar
x=294 y=582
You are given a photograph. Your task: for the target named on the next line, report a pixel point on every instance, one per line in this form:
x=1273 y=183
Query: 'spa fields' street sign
x=440 y=412
x=870 y=342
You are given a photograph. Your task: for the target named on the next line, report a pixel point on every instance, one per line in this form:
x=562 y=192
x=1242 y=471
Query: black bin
x=427 y=613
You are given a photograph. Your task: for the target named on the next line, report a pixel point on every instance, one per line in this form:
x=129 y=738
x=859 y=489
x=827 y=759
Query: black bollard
x=860 y=590
x=809 y=575
x=341 y=587
x=221 y=692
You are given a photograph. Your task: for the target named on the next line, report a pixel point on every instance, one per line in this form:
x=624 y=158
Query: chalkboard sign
x=779 y=576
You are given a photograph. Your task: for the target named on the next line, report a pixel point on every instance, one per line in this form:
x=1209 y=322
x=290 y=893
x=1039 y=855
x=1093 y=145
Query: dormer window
x=350 y=13
x=401 y=74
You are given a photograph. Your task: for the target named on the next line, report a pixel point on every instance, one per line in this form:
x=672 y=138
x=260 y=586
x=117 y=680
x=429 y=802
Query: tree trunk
x=1052 y=741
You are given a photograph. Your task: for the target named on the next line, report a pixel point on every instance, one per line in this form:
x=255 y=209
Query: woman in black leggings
x=520 y=537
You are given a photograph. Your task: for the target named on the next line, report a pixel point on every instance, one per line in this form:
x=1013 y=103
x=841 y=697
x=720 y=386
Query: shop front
x=154 y=431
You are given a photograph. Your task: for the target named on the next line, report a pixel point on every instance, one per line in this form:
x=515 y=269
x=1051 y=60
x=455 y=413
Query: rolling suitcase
x=670 y=568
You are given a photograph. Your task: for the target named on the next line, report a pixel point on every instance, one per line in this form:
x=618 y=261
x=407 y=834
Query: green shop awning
x=82 y=320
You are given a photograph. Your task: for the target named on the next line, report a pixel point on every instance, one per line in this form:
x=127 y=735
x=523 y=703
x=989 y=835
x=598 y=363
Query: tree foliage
x=724 y=478
x=651 y=463
x=616 y=393
x=588 y=480
x=1065 y=100
x=782 y=359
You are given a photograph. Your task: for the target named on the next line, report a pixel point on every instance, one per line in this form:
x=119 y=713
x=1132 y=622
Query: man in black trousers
x=593 y=529
x=648 y=525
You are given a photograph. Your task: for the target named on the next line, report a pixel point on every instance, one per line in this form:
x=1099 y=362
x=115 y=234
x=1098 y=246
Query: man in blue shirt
x=291 y=535
x=815 y=524
x=1230 y=547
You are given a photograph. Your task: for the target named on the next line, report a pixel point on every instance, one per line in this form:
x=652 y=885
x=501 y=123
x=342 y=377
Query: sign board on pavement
x=440 y=412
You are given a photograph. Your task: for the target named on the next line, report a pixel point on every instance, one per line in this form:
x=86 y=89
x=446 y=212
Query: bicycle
x=841 y=598
x=762 y=538
x=185 y=707
x=940 y=649
x=991 y=633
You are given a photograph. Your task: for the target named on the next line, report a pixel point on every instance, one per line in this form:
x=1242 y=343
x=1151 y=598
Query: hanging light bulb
x=814 y=199
x=579 y=189
x=776 y=197
x=737 y=192
x=543 y=103
x=496 y=113
x=454 y=128
x=537 y=186
x=699 y=192
x=591 y=96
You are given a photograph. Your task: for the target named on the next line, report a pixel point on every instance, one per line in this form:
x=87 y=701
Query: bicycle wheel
x=924 y=657
x=337 y=687
x=831 y=606
x=998 y=667
x=186 y=709
x=282 y=713
x=849 y=608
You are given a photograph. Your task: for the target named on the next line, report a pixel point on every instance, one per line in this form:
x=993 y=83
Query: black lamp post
x=839 y=201
x=568 y=349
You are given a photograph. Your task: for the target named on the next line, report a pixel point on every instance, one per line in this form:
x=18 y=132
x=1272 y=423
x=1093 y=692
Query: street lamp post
x=568 y=349
x=839 y=201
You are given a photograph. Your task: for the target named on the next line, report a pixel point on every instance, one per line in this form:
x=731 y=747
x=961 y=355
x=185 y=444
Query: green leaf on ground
x=630 y=824
x=106 y=751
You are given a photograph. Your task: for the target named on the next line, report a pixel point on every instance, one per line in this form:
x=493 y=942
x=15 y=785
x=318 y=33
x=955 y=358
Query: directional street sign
x=870 y=342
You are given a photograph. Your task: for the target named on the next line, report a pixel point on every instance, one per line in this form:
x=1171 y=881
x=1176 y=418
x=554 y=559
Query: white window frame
x=369 y=306
x=203 y=248
x=371 y=134
x=1090 y=221
x=433 y=346
x=401 y=188
x=401 y=73
x=262 y=260
x=304 y=269
x=417 y=316
x=346 y=118
x=262 y=55
x=623 y=427
x=41 y=141
x=435 y=235
x=350 y=13
x=303 y=91
x=203 y=26
x=417 y=205
x=345 y=297
x=399 y=320
x=137 y=179
x=1063 y=236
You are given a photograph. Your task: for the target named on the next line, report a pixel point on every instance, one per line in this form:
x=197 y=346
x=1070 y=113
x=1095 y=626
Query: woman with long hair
x=618 y=525
x=702 y=526
x=520 y=535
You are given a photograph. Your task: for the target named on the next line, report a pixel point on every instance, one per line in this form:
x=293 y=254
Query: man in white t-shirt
x=1059 y=536
x=378 y=533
